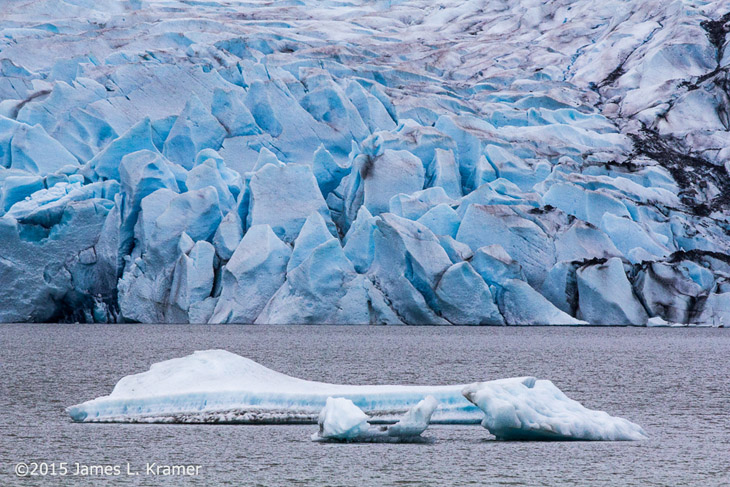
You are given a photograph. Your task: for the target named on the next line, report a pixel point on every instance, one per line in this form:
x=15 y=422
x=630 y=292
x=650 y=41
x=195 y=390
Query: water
x=672 y=382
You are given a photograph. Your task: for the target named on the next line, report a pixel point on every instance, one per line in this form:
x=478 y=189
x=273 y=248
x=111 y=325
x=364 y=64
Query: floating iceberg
x=530 y=409
x=416 y=420
x=217 y=386
x=342 y=420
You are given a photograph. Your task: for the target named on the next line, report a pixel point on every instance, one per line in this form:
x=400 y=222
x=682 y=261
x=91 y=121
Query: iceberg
x=525 y=408
x=416 y=420
x=216 y=386
x=342 y=420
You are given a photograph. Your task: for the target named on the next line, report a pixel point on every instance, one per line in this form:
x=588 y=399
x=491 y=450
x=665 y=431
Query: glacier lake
x=673 y=382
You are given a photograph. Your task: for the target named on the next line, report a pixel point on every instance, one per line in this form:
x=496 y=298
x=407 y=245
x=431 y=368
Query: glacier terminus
x=382 y=162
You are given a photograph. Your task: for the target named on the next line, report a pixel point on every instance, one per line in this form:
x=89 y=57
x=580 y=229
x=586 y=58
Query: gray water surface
x=673 y=382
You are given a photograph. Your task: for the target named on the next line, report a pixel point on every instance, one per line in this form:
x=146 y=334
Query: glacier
x=217 y=386
x=365 y=162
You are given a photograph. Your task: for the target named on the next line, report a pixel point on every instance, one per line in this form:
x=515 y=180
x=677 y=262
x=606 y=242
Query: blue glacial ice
x=402 y=162
x=217 y=386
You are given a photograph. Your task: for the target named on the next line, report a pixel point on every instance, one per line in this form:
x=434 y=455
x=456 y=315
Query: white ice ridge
x=216 y=386
x=342 y=420
x=525 y=408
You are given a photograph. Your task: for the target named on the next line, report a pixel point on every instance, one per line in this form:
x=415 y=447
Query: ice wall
x=472 y=162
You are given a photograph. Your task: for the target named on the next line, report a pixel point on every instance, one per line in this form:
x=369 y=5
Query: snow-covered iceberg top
x=219 y=386
x=529 y=409
x=342 y=420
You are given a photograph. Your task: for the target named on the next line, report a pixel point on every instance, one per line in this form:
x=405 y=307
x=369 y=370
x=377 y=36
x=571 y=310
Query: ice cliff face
x=518 y=162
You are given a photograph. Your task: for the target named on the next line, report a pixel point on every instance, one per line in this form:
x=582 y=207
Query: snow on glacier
x=216 y=386
x=471 y=162
x=529 y=409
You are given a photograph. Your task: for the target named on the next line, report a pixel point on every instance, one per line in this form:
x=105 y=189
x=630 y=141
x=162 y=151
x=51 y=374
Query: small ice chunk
x=416 y=420
x=658 y=321
x=341 y=420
